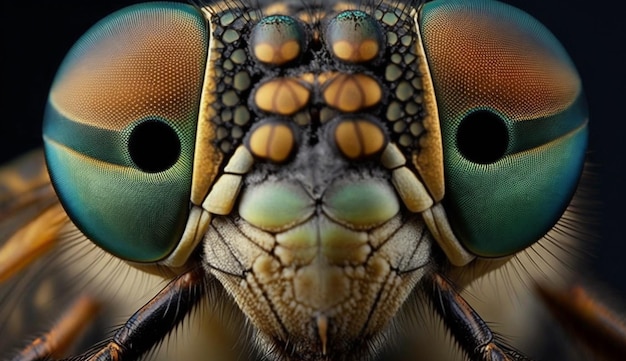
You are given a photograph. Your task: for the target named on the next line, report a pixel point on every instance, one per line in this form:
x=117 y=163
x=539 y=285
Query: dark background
x=37 y=34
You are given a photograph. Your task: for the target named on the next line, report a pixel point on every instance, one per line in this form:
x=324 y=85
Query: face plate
x=317 y=180
x=315 y=236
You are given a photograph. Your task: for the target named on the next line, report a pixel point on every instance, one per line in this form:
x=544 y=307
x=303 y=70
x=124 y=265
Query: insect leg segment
x=469 y=330
x=151 y=323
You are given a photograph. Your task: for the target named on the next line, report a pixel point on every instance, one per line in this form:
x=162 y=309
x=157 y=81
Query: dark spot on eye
x=482 y=137
x=154 y=146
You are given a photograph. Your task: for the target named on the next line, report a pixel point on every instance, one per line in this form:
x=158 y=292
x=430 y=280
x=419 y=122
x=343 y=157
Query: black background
x=37 y=34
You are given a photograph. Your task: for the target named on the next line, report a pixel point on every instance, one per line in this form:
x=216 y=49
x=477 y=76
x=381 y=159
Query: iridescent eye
x=120 y=128
x=513 y=121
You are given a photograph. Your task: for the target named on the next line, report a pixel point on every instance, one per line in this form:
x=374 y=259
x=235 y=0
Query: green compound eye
x=120 y=128
x=513 y=120
x=354 y=37
x=277 y=40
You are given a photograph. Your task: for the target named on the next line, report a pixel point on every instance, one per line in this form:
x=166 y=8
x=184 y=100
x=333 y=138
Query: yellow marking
x=352 y=92
x=281 y=143
x=284 y=96
x=359 y=138
x=207 y=159
x=265 y=53
x=279 y=54
x=308 y=78
x=356 y=52
x=373 y=137
x=429 y=160
x=326 y=76
x=368 y=50
x=343 y=50
x=317 y=79
x=272 y=141
x=259 y=140
x=348 y=140
x=31 y=241
x=289 y=50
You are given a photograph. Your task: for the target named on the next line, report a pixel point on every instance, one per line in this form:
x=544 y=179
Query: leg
x=466 y=326
x=150 y=324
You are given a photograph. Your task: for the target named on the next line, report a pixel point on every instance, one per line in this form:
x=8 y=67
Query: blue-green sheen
x=501 y=208
x=498 y=207
x=133 y=214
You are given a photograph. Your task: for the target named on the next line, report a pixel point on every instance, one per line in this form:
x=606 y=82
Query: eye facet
x=120 y=128
x=513 y=121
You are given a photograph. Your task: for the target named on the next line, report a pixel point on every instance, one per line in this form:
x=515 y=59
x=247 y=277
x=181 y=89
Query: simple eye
x=153 y=146
x=120 y=128
x=513 y=122
x=482 y=137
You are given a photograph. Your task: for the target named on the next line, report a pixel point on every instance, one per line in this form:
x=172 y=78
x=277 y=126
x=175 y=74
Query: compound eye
x=120 y=128
x=513 y=121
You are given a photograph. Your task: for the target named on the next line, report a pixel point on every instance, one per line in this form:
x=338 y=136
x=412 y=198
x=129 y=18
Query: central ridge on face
x=318 y=112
